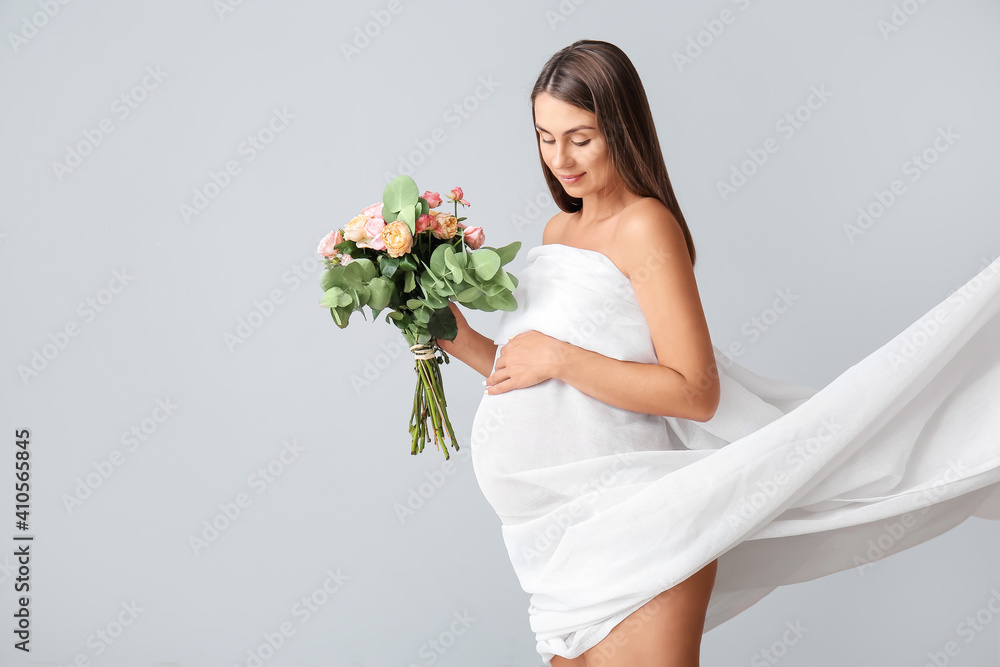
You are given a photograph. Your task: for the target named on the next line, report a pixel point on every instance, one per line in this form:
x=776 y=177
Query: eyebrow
x=569 y=131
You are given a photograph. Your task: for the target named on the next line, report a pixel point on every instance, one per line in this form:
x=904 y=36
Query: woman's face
x=571 y=146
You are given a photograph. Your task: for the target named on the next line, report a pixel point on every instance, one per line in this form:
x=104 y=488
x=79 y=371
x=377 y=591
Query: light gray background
x=355 y=119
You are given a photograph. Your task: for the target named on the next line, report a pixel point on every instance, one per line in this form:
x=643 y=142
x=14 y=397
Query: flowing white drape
x=604 y=508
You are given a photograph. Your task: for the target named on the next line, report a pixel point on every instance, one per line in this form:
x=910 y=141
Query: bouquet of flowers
x=404 y=255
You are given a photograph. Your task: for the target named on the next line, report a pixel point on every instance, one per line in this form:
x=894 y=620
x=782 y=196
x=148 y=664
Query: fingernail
x=486 y=391
x=484 y=383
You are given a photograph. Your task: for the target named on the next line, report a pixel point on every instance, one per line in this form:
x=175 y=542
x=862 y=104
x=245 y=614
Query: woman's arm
x=650 y=247
x=649 y=388
x=470 y=347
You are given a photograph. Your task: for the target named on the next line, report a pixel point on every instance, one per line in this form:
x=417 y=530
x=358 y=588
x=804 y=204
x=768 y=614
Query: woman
x=630 y=461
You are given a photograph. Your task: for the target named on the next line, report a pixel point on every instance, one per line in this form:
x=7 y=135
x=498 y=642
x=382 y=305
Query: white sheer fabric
x=604 y=508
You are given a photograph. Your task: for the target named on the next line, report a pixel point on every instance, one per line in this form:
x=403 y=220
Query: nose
x=561 y=159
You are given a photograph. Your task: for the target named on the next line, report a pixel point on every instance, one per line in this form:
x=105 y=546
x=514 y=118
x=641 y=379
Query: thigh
x=664 y=632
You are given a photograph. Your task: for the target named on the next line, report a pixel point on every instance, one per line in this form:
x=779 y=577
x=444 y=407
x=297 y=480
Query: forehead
x=556 y=115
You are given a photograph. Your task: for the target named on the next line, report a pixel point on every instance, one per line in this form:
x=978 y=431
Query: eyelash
x=582 y=143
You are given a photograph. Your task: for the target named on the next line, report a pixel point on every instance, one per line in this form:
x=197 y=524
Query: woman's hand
x=525 y=360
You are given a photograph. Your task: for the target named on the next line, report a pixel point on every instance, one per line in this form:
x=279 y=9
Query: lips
x=571 y=178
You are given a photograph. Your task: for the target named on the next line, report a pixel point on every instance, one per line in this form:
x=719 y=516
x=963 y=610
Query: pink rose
x=373 y=230
x=456 y=194
x=474 y=237
x=346 y=259
x=327 y=247
x=424 y=223
x=375 y=210
x=433 y=198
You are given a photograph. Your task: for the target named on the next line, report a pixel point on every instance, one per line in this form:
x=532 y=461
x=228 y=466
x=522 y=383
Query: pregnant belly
x=538 y=447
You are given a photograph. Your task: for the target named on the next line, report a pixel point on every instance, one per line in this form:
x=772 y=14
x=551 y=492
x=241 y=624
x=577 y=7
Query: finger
x=495 y=379
x=503 y=386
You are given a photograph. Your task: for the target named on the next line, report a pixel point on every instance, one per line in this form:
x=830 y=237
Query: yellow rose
x=445 y=225
x=397 y=238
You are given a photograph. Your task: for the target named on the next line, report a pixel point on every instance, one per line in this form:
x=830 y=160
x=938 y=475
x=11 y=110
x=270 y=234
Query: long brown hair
x=598 y=77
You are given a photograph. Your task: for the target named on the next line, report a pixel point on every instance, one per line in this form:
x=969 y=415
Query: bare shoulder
x=662 y=239
x=553 y=228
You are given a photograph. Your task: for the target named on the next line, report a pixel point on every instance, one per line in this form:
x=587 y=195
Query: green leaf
x=442 y=324
x=332 y=276
x=406 y=215
x=438 y=265
x=469 y=294
x=380 y=292
x=422 y=314
x=399 y=193
x=507 y=252
x=409 y=282
x=503 y=301
x=389 y=216
x=335 y=297
x=342 y=316
x=436 y=301
x=388 y=265
x=483 y=304
x=485 y=262
x=360 y=272
x=408 y=262
x=454 y=270
x=504 y=278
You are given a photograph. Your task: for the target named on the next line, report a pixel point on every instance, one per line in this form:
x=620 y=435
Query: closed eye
x=582 y=143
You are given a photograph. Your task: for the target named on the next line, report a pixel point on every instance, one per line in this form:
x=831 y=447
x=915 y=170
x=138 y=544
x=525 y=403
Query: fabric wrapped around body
x=603 y=508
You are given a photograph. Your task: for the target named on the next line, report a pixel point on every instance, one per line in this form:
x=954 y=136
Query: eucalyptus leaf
x=335 y=297
x=332 y=276
x=508 y=252
x=381 y=290
x=483 y=304
x=399 y=193
x=422 y=314
x=469 y=294
x=485 y=262
x=504 y=279
x=436 y=300
x=438 y=265
x=503 y=301
x=454 y=271
x=360 y=271
x=341 y=316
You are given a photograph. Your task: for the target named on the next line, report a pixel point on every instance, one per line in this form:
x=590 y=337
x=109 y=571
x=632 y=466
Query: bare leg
x=664 y=632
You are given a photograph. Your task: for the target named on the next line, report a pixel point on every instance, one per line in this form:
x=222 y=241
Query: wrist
x=565 y=357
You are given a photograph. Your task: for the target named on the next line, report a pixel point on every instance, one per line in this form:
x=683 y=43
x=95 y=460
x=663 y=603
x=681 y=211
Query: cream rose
x=355 y=229
x=397 y=238
x=445 y=225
